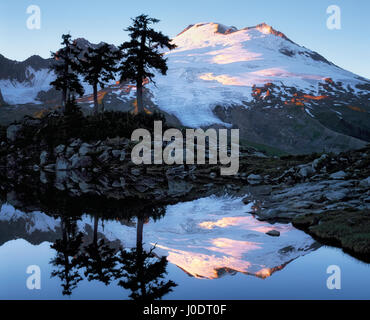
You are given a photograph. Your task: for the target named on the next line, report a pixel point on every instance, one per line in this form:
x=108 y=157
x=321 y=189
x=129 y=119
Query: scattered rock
x=59 y=149
x=317 y=164
x=62 y=164
x=273 y=233
x=44 y=158
x=337 y=195
x=365 y=182
x=85 y=149
x=135 y=172
x=12 y=133
x=116 y=153
x=78 y=162
x=340 y=175
x=305 y=171
x=104 y=157
x=122 y=155
x=213 y=175
x=76 y=143
x=254 y=179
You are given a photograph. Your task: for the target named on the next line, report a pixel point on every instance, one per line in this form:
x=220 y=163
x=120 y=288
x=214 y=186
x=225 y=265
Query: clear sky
x=302 y=21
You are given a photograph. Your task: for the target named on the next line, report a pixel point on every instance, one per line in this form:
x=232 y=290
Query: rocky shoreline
x=286 y=188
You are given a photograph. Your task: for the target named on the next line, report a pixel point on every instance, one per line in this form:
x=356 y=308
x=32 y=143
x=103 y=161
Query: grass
x=348 y=229
x=270 y=151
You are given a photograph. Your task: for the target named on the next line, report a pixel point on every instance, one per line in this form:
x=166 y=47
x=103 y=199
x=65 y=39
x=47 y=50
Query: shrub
x=56 y=129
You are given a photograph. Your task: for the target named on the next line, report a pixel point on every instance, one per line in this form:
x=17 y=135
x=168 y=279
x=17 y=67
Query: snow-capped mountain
x=219 y=65
x=277 y=92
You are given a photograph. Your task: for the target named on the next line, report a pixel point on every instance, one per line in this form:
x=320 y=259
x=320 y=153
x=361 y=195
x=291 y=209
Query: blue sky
x=302 y=21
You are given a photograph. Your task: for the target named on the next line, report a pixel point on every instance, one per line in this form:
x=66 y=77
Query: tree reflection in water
x=138 y=270
x=67 y=257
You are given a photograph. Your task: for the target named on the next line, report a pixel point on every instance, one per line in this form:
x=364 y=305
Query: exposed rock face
x=325 y=188
x=14 y=70
x=289 y=129
x=2 y=102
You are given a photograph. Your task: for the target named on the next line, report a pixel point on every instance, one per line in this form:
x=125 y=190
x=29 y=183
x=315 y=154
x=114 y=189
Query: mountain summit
x=217 y=64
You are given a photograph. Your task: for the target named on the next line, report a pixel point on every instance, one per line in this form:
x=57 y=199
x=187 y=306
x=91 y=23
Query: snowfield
x=15 y=92
x=218 y=65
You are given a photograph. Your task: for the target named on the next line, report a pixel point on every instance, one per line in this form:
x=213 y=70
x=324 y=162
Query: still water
x=209 y=248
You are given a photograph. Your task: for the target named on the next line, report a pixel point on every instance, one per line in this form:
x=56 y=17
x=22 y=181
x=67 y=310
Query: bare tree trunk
x=139 y=81
x=96 y=105
x=139 y=96
x=64 y=100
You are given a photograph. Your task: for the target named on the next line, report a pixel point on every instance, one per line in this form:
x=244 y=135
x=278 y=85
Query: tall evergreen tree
x=66 y=68
x=141 y=55
x=98 y=67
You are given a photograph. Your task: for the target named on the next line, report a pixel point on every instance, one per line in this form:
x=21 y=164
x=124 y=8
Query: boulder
x=78 y=162
x=317 y=164
x=340 y=175
x=305 y=171
x=365 y=182
x=44 y=157
x=13 y=132
x=337 y=195
x=69 y=152
x=85 y=149
x=59 y=149
x=254 y=179
x=76 y=143
x=62 y=164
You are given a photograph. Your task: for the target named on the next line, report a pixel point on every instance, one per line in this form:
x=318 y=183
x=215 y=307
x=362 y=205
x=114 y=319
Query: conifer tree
x=142 y=54
x=98 y=67
x=66 y=67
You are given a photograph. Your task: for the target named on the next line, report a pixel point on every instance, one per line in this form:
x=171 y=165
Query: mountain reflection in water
x=130 y=242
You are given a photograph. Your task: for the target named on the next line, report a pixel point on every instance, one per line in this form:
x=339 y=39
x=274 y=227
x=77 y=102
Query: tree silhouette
x=141 y=55
x=141 y=271
x=67 y=258
x=98 y=258
x=66 y=66
x=98 y=67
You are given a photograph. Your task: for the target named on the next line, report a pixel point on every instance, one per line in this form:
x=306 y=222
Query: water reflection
x=67 y=258
x=128 y=243
x=138 y=270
